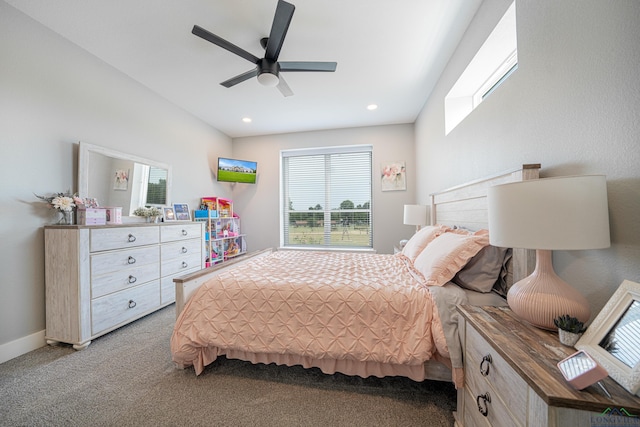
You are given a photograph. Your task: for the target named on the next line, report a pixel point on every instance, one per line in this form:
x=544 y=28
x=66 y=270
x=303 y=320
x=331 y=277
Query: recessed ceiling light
x=372 y=107
x=246 y=119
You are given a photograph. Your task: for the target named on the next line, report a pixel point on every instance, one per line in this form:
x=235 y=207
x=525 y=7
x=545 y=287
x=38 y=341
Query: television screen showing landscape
x=233 y=170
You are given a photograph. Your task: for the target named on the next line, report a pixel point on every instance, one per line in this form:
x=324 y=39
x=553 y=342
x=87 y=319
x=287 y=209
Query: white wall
x=259 y=205
x=572 y=105
x=52 y=95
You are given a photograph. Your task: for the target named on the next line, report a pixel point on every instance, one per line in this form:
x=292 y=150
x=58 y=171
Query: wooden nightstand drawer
x=487 y=371
x=492 y=391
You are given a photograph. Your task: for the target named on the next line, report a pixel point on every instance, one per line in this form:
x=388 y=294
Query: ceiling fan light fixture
x=268 y=79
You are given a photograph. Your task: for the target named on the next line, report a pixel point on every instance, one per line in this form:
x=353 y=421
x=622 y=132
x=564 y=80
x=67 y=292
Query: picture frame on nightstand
x=613 y=338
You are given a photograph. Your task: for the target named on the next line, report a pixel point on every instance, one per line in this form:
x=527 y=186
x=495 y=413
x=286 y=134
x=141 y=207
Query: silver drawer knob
x=132 y=279
x=131 y=238
x=132 y=303
x=184 y=250
x=184 y=232
x=184 y=264
x=131 y=260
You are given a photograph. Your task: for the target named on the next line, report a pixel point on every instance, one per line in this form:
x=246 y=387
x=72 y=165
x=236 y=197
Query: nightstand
x=511 y=377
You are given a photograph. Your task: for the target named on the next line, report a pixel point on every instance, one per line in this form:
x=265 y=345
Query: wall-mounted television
x=234 y=170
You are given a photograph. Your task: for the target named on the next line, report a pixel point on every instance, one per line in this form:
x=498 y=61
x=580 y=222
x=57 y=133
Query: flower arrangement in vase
x=64 y=203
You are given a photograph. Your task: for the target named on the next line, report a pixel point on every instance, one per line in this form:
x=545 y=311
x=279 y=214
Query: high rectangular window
x=494 y=62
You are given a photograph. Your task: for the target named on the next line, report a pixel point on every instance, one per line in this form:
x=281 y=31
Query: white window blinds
x=326 y=197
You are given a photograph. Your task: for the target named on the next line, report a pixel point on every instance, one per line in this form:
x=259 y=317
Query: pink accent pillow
x=446 y=255
x=421 y=239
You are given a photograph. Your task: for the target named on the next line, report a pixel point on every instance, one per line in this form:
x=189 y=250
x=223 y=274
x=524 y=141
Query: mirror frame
x=83 y=166
x=611 y=313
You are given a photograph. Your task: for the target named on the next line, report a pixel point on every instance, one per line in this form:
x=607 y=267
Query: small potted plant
x=570 y=329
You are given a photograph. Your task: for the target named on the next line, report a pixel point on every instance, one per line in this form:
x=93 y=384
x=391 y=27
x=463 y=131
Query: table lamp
x=563 y=213
x=415 y=215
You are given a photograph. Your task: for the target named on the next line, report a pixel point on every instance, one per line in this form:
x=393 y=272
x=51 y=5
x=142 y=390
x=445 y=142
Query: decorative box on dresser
x=511 y=377
x=99 y=278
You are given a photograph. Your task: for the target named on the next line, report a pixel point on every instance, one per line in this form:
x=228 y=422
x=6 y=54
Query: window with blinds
x=326 y=197
x=156 y=186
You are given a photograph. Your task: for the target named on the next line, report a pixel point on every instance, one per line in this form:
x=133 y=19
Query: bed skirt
x=328 y=366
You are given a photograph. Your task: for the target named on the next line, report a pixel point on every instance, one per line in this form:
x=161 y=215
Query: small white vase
x=568 y=338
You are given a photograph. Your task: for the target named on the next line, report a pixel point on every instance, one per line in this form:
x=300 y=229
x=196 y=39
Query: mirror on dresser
x=120 y=179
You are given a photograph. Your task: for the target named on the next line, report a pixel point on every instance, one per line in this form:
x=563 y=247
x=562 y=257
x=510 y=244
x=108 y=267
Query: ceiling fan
x=268 y=69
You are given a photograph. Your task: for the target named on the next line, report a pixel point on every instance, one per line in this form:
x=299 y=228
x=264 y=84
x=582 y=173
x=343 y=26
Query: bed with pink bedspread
x=344 y=309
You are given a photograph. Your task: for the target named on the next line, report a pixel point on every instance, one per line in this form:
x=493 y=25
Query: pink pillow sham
x=443 y=257
x=421 y=239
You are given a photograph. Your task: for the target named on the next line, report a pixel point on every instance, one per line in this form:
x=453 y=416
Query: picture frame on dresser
x=168 y=214
x=613 y=338
x=181 y=211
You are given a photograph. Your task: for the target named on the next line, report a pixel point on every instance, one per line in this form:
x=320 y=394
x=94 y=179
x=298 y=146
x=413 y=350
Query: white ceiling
x=388 y=52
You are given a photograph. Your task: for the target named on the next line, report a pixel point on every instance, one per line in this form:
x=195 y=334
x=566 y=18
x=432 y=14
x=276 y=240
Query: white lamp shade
x=415 y=215
x=562 y=213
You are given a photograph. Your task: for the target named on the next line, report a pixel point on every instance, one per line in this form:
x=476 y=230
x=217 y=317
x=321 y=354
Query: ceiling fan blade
x=284 y=87
x=240 y=78
x=219 y=41
x=279 y=28
x=308 y=66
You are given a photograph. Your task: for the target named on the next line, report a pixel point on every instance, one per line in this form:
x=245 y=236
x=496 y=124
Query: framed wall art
x=392 y=176
x=121 y=180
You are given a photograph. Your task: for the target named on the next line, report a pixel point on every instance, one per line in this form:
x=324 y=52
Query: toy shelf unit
x=223 y=239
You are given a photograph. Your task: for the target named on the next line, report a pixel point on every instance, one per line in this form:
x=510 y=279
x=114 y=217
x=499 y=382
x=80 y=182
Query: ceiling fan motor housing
x=268 y=72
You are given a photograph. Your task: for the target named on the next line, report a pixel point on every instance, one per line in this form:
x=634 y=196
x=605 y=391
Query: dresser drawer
x=181 y=249
x=103 y=239
x=180 y=265
x=124 y=279
x=507 y=390
x=170 y=233
x=113 y=261
x=120 y=307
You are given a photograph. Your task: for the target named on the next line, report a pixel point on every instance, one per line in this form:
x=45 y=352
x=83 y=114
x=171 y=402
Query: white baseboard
x=21 y=346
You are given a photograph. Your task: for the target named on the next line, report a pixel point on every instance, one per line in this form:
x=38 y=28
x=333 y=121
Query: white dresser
x=99 y=278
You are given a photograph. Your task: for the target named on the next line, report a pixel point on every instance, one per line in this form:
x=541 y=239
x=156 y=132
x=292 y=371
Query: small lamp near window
x=563 y=213
x=415 y=215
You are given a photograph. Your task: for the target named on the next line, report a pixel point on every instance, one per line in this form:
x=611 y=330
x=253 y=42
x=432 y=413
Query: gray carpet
x=126 y=378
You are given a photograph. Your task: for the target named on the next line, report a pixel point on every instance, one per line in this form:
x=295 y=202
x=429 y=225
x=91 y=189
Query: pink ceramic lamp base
x=543 y=296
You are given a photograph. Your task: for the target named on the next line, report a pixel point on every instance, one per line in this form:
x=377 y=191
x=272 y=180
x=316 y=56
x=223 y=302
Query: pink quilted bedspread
x=362 y=307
